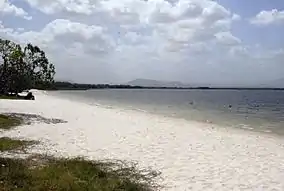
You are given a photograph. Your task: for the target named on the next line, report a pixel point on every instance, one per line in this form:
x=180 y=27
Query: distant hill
x=156 y=83
x=279 y=83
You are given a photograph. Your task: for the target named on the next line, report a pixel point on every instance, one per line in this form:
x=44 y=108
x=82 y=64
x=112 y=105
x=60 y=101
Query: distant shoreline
x=77 y=86
x=170 y=88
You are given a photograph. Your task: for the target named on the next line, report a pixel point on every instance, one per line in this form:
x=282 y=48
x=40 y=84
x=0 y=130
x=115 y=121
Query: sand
x=190 y=155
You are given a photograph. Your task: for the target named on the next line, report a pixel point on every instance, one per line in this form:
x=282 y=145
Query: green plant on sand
x=7 y=122
x=72 y=174
x=8 y=97
x=8 y=144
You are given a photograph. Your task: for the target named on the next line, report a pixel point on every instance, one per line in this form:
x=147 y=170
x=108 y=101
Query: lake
x=256 y=110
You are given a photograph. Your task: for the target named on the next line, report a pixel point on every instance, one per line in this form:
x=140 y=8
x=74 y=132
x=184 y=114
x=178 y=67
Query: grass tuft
x=8 y=97
x=7 y=144
x=72 y=174
x=8 y=122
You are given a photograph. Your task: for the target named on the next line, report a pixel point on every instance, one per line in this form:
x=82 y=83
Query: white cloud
x=114 y=41
x=64 y=33
x=4 y=31
x=7 y=8
x=54 y=6
x=178 y=24
x=226 y=38
x=236 y=17
x=268 y=17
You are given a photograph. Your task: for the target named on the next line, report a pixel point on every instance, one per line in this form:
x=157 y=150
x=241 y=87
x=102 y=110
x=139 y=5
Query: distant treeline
x=60 y=85
x=77 y=86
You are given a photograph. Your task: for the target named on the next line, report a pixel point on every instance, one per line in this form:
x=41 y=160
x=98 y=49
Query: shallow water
x=255 y=110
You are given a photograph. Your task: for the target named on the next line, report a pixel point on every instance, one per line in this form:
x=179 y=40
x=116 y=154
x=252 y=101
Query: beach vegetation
x=45 y=173
x=8 y=144
x=29 y=96
x=9 y=97
x=8 y=122
x=23 y=68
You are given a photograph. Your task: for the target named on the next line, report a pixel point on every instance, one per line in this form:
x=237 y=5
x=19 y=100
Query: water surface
x=257 y=110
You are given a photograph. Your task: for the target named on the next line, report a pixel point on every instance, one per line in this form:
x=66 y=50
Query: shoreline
x=190 y=155
x=207 y=123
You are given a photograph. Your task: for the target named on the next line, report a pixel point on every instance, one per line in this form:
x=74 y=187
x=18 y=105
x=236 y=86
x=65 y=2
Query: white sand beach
x=190 y=155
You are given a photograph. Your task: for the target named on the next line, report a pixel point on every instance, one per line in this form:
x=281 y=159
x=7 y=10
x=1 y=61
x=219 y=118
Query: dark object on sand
x=29 y=96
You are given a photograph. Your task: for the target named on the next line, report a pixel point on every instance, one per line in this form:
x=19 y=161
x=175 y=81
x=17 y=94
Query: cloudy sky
x=238 y=42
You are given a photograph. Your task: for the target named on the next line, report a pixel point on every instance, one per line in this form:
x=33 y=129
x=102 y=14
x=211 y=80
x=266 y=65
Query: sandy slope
x=191 y=156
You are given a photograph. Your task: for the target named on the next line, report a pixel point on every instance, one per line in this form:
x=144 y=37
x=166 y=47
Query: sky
x=221 y=42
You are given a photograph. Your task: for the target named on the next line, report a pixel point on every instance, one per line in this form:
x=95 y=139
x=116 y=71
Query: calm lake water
x=255 y=110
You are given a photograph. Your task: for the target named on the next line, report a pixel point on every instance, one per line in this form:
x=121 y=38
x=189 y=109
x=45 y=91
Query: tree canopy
x=23 y=68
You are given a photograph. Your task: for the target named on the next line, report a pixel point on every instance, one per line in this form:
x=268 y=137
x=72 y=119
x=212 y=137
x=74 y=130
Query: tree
x=23 y=68
x=6 y=50
x=41 y=72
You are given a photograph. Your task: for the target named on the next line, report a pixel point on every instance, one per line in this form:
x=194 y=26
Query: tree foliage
x=23 y=68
